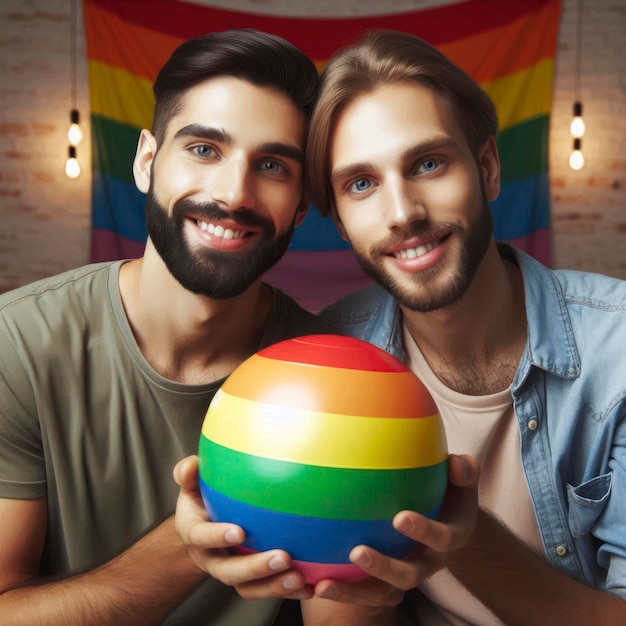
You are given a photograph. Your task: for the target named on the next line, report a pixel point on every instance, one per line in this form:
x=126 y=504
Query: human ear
x=489 y=161
x=339 y=224
x=142 y=165
x=302 y=210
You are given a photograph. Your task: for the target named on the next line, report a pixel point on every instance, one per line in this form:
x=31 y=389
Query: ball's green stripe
x=335 y=493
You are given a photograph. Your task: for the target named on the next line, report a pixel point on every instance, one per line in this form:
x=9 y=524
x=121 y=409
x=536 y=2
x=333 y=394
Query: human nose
x=232 y=185
x=404 y=204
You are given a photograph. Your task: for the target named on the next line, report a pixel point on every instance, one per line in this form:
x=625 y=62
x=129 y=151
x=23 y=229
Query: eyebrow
x=204 y=132
x=211 y=133
x=414 y=151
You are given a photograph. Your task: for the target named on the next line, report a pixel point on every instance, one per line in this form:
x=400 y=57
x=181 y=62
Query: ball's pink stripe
x=314 y=572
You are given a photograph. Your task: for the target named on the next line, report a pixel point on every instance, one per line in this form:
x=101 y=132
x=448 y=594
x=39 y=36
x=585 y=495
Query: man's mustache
x=208 y=211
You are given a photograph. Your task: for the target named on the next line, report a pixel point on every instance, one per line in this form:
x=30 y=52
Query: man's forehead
x=403 y=113
x=238 y=108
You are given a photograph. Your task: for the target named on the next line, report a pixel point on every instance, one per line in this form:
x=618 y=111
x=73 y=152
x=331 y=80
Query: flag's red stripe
x=319 y=37
x=487 y=56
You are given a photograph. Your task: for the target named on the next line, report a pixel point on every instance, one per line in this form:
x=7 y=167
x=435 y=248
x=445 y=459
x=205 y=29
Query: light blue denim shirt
x=569 y=395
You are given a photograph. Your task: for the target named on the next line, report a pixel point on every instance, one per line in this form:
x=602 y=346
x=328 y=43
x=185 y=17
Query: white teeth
x=412 y=253
x=220 y=231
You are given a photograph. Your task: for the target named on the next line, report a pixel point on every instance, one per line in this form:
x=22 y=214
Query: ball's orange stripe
x=324 y=439
x=331 y=390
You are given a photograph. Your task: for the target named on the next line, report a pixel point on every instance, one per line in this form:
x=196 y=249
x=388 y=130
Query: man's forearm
x=521 y=588
x=140 y=586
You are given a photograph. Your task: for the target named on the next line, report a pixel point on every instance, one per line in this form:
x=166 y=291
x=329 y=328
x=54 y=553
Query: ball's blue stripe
x=311 y=539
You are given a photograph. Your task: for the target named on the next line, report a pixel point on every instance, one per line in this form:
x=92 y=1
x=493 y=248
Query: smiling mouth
x=421 y=250
x=221 y=232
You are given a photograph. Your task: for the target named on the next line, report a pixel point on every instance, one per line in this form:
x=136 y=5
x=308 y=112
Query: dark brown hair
x=260 y=58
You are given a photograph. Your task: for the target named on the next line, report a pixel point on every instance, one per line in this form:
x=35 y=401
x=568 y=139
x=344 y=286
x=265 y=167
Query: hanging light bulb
x=72 y=167
x=577 y=127
x=576 y=159
x=74 y=134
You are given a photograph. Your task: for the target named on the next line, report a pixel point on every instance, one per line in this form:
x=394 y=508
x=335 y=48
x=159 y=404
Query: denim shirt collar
x=550 y=344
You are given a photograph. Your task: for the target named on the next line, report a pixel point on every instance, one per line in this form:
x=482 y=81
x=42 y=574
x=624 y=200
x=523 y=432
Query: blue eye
x=360 y=186
x=429 y=165
x=203 y=150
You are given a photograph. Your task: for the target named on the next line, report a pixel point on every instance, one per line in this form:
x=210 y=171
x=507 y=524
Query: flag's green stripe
x=114 y=147
x=524 y=149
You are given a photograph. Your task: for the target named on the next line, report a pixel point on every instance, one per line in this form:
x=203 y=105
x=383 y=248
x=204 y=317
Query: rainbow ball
x=313 y=444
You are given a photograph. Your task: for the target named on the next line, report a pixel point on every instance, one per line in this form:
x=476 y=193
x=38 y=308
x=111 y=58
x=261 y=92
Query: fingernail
x=277 y=563
x=406 y=524
x=232 y=536
x=362 y=559
x=329 y=594
x=291 y=583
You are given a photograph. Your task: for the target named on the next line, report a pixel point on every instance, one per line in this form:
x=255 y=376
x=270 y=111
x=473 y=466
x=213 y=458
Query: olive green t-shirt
x=86 y=422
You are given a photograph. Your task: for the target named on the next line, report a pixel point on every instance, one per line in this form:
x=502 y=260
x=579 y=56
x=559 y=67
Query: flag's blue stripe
x=522 y=208
x=317 y=233
x=305 y=538
x=118 y=206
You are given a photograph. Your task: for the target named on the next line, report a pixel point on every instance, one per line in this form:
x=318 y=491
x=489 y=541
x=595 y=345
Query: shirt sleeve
x=22 y=468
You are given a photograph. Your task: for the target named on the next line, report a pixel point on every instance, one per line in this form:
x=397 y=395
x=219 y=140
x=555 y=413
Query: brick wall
x=46 y=216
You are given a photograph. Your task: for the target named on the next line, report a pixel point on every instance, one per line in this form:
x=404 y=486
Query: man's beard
x=428 y=295
x=206 y=271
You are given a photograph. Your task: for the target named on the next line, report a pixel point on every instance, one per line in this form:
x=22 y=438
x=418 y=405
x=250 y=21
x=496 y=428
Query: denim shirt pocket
x=586 y=503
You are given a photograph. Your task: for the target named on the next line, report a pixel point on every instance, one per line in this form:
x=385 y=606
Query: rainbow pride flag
x=509 y=48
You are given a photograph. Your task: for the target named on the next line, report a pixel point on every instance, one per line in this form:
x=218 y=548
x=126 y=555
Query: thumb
x=186 y=473
x=463 y=470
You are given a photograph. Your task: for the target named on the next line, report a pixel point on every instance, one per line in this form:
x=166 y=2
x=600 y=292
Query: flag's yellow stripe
x=524 y=95
x=121 y=96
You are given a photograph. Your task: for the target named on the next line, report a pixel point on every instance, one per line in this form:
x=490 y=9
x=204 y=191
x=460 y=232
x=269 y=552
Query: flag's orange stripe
x=506 y=50
x=135 y=49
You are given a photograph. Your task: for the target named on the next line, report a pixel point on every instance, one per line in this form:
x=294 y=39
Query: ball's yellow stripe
x=331 y=389
x=325 y=439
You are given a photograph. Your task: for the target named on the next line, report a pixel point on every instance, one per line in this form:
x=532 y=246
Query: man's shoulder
x=55 y=285
x=358 y=307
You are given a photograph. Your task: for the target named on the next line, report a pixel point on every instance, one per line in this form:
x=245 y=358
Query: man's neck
x=186 y=337
x=474 y=345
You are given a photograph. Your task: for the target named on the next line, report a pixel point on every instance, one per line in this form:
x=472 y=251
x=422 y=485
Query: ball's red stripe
x=334 y=351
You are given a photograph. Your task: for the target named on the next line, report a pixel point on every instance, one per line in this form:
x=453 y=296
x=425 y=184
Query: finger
x=367 y=592
x=259 y=574
x=432 y=533
x=289 y=584
x=203 y=535
x=186 y=473
x=463 y=470
x=403 y=574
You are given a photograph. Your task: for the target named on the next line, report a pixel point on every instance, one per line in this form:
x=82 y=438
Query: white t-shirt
x=484 y=427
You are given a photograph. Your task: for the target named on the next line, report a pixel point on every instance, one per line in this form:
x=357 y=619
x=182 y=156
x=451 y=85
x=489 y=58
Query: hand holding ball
x=312 y=445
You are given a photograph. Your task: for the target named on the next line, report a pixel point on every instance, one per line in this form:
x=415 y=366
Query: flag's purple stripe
x=315 y=279
x=107 y=245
